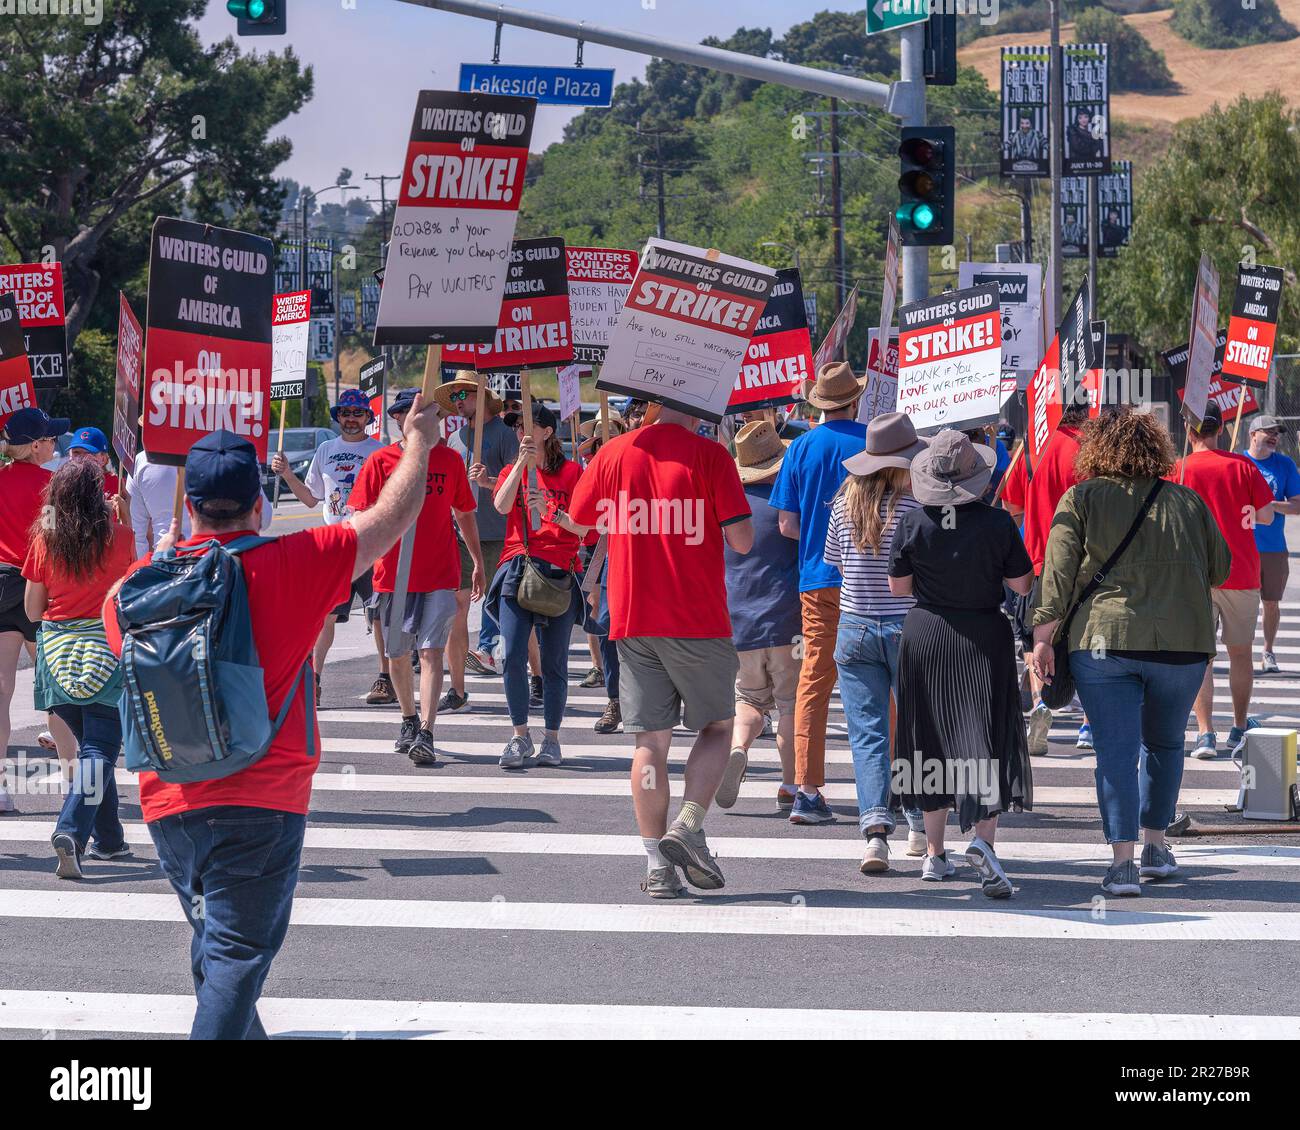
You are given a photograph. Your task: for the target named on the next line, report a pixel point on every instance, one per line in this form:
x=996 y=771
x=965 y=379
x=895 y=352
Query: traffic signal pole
x=911 y=112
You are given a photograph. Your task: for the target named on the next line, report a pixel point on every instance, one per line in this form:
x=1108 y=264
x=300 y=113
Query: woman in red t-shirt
x=78 y=552
x=552 y=550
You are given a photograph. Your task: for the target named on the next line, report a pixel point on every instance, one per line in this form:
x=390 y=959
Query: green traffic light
x=246 y=9
x=918 y=217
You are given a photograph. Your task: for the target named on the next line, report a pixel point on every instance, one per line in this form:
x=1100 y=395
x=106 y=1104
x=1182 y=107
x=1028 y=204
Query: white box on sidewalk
x=1268 y=765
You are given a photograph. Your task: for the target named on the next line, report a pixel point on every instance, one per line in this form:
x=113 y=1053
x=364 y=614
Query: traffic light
x=940 y=52
x=926 y=186
x=258 y=17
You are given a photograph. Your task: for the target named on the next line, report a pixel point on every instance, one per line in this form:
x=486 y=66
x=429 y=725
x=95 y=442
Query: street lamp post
x=790 y=247
x=308 y=199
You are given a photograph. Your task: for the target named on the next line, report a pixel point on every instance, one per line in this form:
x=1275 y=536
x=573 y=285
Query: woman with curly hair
x=77 y=553
x=1138 y=640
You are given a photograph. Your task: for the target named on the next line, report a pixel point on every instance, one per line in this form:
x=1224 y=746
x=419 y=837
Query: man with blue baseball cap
x=330 y=479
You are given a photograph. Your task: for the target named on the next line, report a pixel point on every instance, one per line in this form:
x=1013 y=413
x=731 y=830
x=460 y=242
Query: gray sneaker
x=1040 y=722
x=1206 y=746
x=6 y=801
x=550 y=753
x=936 y=868
x=729 y=789
x=65 y=847
x=1157 y=862
x=663 y=883
x=690 y=852
x=1122 y=880
x=516 y=751
x=981 y=856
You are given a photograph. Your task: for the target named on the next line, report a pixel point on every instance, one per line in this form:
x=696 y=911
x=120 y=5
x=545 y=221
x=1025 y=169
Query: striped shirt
x=865 y=590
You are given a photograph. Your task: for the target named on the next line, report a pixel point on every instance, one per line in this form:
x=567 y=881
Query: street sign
x=555 y=86
x=890 y=15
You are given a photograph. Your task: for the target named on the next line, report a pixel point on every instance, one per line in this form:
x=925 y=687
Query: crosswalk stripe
x=346 y=838
x=520 y=784
x=159 y=1013
x=702 y=917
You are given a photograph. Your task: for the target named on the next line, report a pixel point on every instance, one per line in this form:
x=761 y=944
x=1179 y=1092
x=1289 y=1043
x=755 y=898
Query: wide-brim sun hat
x=759 y=452
x=466 y=380
x=952 y=470
x=591 y=430
x=835 y=387
x=891 y=442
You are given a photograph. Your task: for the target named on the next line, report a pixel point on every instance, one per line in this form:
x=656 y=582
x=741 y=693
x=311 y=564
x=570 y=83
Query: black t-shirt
x=958 y=555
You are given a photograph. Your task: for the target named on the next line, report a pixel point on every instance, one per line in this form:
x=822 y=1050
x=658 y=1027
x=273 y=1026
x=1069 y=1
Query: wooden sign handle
x=432 y=372
x=530 y=480
x=1236 y=427
x=1016 y=456
x=604 y=417
x=279 y=450
x=178 y=502
x=480 y=400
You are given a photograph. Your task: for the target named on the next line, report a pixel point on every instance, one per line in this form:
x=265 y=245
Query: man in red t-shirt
x=1032 y=501
x=1240 y=499
x=430 y=611
x=230 y=847
x=667 y=499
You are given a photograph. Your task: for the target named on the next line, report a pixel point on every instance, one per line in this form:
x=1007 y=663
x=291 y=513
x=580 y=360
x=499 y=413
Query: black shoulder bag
x=1060 y=691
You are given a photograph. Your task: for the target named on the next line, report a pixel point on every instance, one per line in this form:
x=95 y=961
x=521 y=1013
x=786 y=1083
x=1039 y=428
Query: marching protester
x=535 y=589
x=500 y=445
x=91 y=444
x=1240 y=499
x=958 y=700
x=872 y=501
x=1130 y=562
x=1031 y=500
x=29 y=436
x=1283 y=478
x=78 y=551
x=250 y=824
x=810 y=476
x=677 y=662
x=763 y=600
x=425 y=622
x=330 y=479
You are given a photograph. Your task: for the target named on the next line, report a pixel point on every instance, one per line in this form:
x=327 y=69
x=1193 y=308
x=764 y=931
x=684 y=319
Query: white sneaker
x=729 y=787
x=876 y=858
x=1268 y=664
x=981 y=856
x=937 y=868
x=1040 y=722
x=915 y=843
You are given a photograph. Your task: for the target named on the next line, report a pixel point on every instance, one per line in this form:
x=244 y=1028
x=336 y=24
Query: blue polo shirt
x=1283 y=480
x=811 y=474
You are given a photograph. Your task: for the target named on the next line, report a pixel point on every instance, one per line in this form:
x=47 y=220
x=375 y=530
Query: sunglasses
x=359 y=412
x=459 y=395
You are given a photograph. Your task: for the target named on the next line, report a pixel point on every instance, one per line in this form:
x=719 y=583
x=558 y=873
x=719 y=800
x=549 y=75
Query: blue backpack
x=193 y=701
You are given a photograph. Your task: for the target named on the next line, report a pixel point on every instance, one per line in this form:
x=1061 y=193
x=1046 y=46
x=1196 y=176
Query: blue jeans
x=92 y=802
x=234 y=869
x=866 y=653
x=608 y=647
x=553 y=637
x=1138 y=713
x=487 y=634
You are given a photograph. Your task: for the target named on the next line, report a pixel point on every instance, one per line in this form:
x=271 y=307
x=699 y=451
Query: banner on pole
x=1025 y=119
x=950 y=359
x=455 y=218
x=126 y=389
x=208 y=341
x=320 y=340
x=1248 y=353
x=684 y=330
x=599 y=278
x=38 y=290
x=1114 y=210
x=779 y=357
x=290 y=322
x=533 y=330
x=838 y=334
x=1087 y=109
x=1202 y=342
x=16 y=389
x=369 y=305
x=1020 y=288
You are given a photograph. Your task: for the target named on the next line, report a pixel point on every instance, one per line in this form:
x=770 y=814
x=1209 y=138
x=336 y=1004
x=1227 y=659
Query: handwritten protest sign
x=950 y=359
x=570 y=382
x=290 y=323
x=599 y=278
x=881 y=392
x=779 y=358
x=16 y=390
x=455 y=218
x=126 y=391
x=684 y=330
x=38 y=290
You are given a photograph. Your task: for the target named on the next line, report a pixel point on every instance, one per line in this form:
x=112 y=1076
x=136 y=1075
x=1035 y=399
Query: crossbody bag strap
x=1099 y=576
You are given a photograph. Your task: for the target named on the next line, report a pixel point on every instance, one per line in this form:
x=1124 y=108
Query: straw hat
x=891 y=442
x=466 y=380
x=952 y=470
x=835 y=387
x=759 y=452
x=590 y=430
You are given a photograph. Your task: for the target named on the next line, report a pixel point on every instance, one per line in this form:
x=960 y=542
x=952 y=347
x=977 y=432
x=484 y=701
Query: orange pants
x=821 y=623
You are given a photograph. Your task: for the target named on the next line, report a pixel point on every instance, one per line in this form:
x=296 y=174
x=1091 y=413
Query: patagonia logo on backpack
x=193 y=701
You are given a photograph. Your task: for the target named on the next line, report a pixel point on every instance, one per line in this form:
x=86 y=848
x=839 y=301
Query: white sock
x=653 y=859
x=809 y=791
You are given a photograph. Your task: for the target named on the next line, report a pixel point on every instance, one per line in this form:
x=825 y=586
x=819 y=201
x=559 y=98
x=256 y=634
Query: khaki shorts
x=768 y=677
x=1274 y=570
x=492 y=551
x=662 y=681
x=1235 y=613
x=426 y=624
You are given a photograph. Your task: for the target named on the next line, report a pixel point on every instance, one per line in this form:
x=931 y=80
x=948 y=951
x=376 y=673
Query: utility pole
x=1026 y=221
x=1055 y=131
x=1092 y=246
x=662 y=227
x=383 y=207
x=837 y=211
x=911 y=57
x=334 y=277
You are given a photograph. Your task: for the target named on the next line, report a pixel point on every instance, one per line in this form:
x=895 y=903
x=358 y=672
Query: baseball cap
x=1211 y=418
x=27 y=425
x=402 y=401
x=351 y=398
x=222 y=467
x=544 y=416
x=1264 y=422
x=89 y=439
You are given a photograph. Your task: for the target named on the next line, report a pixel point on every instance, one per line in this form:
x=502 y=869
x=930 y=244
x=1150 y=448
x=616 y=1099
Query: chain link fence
x=1282 y=399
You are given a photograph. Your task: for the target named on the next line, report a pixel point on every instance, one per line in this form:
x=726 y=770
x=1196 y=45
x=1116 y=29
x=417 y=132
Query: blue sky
x=372 y=56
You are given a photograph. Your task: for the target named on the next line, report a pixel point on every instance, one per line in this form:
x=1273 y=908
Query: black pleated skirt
x=961 y=737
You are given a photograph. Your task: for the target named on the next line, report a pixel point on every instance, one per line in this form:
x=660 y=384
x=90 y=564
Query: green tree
x=1230 y=23
x=1134 y=63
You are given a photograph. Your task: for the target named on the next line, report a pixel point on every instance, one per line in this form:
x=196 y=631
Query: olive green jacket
x=1157 y=597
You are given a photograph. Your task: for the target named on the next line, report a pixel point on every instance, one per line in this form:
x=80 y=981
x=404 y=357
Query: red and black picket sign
x=1224 y=393
x=533 y=330
x=1248 y=352
x=38 y=290
x=779 y=357
x=16 y=389
x=208 y=338
x=370 y=380
x=1044 y=403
